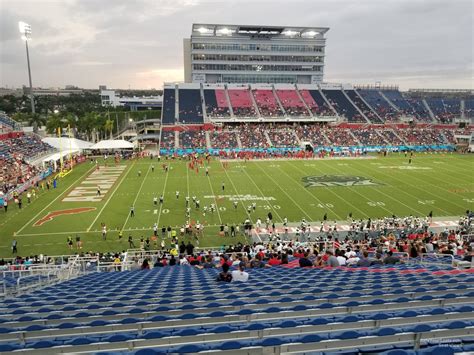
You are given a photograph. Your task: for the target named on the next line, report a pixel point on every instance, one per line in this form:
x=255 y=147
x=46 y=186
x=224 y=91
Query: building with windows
x=113 y=98
x=254 y=54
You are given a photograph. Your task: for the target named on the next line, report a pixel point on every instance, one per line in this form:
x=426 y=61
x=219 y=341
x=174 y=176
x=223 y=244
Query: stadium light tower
x=25 y=31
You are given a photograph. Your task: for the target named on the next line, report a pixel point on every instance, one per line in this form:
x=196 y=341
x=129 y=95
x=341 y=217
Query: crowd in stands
x=424 y=136
x=14 y=152
x=313 y=134
x=253 y=136
x=261 y=135
x=283 y=137
x=192 y=139
x=341 y=137
x=167 y=140
x=391 y=137
x=368 y=136
x=224 y=139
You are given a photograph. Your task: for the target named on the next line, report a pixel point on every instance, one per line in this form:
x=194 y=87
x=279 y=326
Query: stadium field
x=367 y=187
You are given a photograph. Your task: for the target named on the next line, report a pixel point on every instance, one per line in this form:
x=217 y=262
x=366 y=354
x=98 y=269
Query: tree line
x=83 y=113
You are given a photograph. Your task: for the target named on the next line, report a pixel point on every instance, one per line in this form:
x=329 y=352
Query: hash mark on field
x=155 y=211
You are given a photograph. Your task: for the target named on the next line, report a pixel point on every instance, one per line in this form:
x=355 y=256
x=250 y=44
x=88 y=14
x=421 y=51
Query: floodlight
x=225 y=31
x=310 y=33
x=290 y=33
x=25 y=30
x=203 y=30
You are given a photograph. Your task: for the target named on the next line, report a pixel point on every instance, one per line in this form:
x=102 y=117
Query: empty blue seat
x=42 y=344
x=80 y=341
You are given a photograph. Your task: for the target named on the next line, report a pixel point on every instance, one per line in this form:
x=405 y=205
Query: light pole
x=25 y=31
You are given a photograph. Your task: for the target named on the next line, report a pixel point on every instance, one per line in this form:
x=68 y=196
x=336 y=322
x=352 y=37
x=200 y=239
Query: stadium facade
x=217 y=53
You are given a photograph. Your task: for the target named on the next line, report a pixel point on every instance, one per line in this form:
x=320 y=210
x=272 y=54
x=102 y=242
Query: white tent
x=113 y=144
x=65 y=143
x=56 y=156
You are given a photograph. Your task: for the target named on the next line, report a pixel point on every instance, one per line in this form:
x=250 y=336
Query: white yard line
x=418 y=188
x=380 y=192
x=390 y=197
x=111 y=195
x=187 y=188
x=136 y=197
x=364 y=197
x=297 y=183
x=237 y=192
x=215 y=200
x=283 y=190
x=261 y=193
x=78 y=181
x=163 y=194
x=337 y=195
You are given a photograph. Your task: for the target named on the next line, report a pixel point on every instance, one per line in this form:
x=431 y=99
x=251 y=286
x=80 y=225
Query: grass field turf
x=442 y=183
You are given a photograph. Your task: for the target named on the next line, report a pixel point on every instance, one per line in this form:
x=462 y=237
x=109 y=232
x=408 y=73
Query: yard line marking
x=163 y=194
x=187 y=189
x=215 y=199
x=155 y=211
x=110 y=196
x=306 y=191
x=426 y=191
x=364 y=197
x=136 y=197
x=49 y=204
x=237 y=192
x=261 y=193
x=336 y=194
x=390 y=197
x=291 y=198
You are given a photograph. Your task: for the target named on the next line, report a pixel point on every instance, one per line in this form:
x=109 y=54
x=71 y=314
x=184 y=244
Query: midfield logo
x=337 y=180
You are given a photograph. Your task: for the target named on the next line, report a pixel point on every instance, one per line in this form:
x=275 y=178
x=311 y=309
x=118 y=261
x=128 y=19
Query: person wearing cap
x=240 y=274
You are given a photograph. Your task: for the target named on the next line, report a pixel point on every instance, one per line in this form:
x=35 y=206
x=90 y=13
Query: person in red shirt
x=274 y=260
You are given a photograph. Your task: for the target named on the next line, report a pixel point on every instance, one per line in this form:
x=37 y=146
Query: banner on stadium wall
x=352 y=149
x=25 y=186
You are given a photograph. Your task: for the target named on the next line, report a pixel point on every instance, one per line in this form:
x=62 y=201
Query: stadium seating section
x=283 y=135
x=273 y=102
x=190 y=106
x=181 y=309
x=15 y=149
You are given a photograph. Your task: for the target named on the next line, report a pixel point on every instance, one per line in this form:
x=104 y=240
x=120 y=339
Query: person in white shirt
x=240 y=275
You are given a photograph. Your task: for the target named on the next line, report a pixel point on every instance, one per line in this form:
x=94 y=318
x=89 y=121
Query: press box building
x=254 y=54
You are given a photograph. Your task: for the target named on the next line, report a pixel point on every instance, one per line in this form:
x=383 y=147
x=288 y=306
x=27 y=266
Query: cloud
x=412 y=43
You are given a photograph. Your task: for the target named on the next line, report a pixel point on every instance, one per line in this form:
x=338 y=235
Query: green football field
x=371 y=187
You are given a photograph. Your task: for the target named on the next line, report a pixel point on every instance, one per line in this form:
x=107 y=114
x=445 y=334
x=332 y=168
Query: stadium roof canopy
x=113 y=144
x=66 y=143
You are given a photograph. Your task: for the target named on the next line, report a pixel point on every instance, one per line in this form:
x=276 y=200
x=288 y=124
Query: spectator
x=390 y=259
x=240 y=275
x=224 y=275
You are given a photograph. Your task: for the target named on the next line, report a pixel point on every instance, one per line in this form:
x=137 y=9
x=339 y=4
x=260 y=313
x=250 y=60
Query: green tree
x=53 y=123
x=109 y=126
x=36 y=120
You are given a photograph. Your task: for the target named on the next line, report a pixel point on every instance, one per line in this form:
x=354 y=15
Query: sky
x=139 y=43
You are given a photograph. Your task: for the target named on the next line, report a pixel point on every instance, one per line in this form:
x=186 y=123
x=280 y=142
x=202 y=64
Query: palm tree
x=109 y=126
x=54 y=122
x=36 y=120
